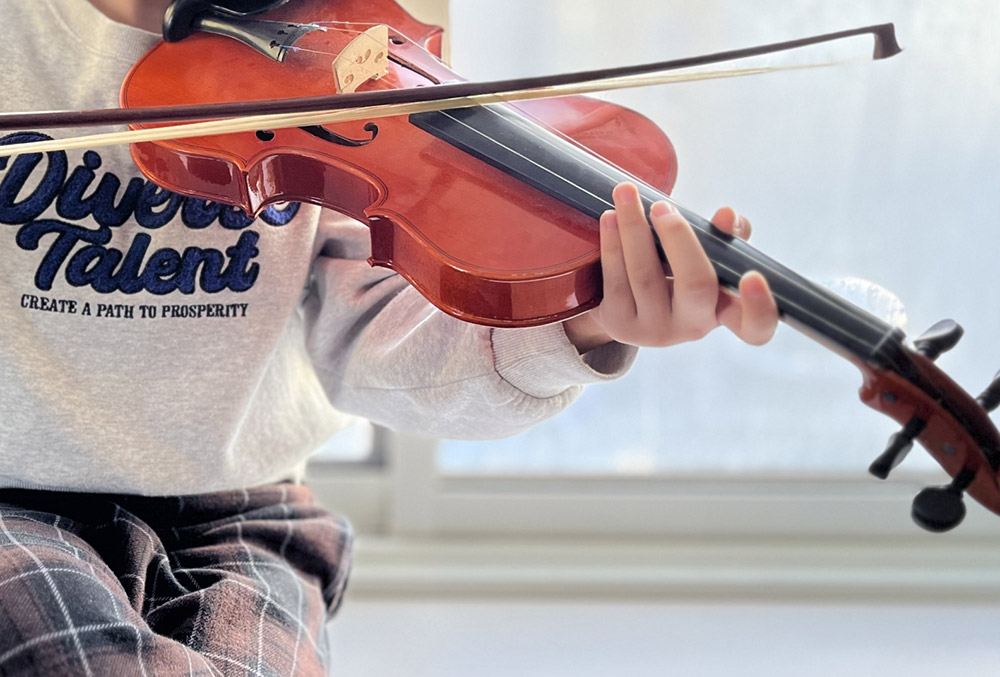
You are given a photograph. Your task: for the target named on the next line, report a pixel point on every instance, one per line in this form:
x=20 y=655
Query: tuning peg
x=941 y=508
x=940 y=338
x=899 y=446
x=990 y=398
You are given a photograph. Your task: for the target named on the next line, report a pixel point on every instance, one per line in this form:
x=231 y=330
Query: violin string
x=345 y=25
x=544 y=137
x=338 y=27
x=296 y=48
x=882 y=348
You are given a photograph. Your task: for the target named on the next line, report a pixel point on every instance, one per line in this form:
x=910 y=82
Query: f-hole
x=332 y=137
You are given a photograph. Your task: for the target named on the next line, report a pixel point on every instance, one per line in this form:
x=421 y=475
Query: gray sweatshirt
x=157 y=344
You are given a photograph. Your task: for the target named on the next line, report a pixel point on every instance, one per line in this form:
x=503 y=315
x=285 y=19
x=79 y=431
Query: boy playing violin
x=167 y=365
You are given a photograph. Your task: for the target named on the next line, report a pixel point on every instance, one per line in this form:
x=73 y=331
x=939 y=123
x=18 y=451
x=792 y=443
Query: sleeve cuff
x=541 y=361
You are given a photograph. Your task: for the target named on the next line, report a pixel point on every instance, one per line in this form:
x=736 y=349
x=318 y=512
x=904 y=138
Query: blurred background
x=711 y=512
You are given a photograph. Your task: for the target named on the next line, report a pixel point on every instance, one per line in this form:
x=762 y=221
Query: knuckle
x=648 y=283
x=702 y=290
x=697 y=328
x=671 y=224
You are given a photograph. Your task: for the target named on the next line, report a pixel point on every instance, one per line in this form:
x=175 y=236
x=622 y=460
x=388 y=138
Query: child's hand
x=643 y=307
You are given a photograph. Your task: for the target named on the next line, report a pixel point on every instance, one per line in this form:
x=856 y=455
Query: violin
x=491 y=211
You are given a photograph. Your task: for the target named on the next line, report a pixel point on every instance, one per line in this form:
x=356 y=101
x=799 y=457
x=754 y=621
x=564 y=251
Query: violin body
x=463 y=206
x=480 y=245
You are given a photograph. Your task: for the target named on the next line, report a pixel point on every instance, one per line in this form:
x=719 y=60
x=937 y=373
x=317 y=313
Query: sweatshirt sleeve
x=384 y=352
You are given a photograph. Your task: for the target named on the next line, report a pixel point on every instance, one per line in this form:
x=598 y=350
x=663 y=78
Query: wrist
x=585 y=332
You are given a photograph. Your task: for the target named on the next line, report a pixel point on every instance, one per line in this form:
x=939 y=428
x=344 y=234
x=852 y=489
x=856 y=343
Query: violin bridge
x=365 y=58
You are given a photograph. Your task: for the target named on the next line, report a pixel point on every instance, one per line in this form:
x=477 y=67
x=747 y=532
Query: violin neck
x=810 y=308
x=544 y=160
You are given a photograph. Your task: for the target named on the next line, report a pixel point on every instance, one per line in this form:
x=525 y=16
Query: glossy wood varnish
x=478 y=244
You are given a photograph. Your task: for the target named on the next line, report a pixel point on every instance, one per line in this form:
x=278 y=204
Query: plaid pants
x=232 y=583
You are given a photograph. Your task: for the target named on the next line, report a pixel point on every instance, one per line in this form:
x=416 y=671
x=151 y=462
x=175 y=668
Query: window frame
x=406 y=495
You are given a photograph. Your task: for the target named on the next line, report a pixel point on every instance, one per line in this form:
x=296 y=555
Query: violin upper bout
x=619 y=135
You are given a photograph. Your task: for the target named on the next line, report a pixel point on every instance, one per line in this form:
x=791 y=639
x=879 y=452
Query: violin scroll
x=949 y=423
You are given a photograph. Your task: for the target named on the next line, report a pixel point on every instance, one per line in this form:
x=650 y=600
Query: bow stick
x=278 y=113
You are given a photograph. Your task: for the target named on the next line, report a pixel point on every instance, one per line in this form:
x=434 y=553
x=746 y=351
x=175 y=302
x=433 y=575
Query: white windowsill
x=920 y=569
